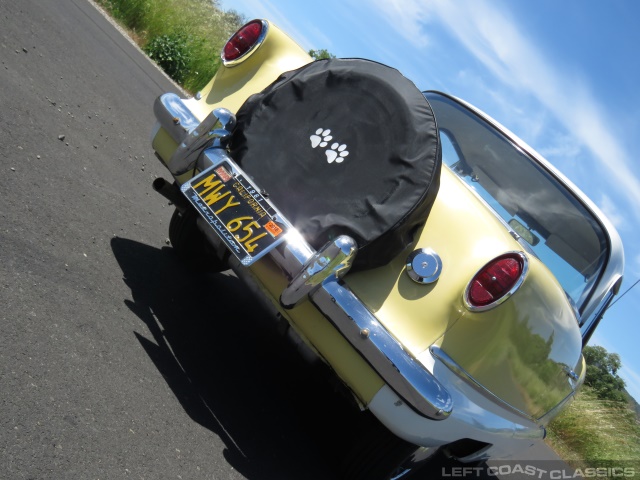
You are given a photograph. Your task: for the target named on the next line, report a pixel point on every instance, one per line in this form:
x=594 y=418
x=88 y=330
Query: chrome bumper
x=313 y=275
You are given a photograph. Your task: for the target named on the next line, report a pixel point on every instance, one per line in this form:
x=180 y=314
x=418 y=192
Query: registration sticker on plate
x=236 y=211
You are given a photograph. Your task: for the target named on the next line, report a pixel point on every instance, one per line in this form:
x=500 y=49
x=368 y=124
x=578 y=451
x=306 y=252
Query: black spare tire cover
x=344 y=146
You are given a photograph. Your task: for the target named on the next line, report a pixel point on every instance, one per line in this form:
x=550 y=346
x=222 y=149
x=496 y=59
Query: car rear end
x=470 y=338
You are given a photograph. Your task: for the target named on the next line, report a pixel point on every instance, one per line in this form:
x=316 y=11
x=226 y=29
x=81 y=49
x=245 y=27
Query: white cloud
x=499 y=43
x=406 y=17
x=562 y=147
x=613 y=213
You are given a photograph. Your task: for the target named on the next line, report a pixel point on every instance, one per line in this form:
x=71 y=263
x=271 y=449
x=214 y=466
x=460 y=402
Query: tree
x=235 y=19
x=602 y=373
x=321 y=54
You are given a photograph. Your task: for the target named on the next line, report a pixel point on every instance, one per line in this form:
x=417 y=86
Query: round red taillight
x=496 y=281
x=244 y=41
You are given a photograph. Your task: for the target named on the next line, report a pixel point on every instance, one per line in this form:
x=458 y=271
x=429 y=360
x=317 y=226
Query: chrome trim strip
x=248 y=53
x=506 y=296
x=452 y=365
x=403 y=373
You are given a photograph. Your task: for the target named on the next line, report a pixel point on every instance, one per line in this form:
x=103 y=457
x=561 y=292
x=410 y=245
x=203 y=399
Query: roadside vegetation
x=184 y=37
x=600 y=428
x=596 y=433
x=321 y=54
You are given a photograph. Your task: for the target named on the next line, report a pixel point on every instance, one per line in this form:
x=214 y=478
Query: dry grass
x=593 y=433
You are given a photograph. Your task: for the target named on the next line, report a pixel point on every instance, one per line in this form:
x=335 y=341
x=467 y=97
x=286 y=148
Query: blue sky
x=562 y=75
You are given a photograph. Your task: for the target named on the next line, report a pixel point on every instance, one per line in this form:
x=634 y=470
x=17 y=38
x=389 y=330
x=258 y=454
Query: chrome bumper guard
x=313 y=275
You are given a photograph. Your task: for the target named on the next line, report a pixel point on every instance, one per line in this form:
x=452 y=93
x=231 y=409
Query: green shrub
x=195 y=29
x=171 y=53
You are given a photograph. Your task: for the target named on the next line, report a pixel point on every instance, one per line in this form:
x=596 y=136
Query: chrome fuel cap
x=424 y=266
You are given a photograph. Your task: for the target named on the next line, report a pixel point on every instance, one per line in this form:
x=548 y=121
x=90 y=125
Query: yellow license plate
x=235 y=209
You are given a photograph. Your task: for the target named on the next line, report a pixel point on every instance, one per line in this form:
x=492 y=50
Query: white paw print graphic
x=337 y=153
x=321 y=138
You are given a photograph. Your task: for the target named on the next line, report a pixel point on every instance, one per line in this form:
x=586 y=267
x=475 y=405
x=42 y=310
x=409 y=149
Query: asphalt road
x=115 y=360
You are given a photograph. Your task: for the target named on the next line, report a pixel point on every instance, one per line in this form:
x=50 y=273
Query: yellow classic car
x=447 y=274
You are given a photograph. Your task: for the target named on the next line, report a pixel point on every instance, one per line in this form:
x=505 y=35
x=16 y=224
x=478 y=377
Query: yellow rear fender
x=233 y=84
x=525 y=352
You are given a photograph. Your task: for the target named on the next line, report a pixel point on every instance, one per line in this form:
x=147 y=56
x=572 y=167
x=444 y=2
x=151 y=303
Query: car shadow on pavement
x=231 y=371
x=221 y=355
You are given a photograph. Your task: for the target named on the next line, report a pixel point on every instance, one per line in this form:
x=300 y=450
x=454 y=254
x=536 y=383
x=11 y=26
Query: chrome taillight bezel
x=251 y=50
x=523 y=274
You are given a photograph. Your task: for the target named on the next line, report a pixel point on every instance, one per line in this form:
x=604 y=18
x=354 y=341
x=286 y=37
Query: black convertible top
x=344 y=146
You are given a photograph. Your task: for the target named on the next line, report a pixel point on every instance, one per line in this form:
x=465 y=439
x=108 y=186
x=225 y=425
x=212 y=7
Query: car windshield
x=549 y=219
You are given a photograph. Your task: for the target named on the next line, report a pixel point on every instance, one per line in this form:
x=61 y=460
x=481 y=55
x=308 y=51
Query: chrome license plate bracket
x=234 y=207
